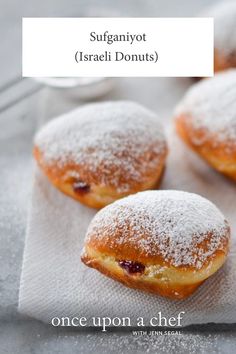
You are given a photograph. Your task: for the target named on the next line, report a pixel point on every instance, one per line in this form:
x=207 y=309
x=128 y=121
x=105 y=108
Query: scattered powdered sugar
x=157 y=340
x=174 y=223
x=151 y=340
x=105 y=134
x=224 y=14
x=212 y=105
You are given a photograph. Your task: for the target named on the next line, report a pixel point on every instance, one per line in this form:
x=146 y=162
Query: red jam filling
x=132 y=267
x=81 y=187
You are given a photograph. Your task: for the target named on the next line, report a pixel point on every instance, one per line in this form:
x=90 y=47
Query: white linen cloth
x=55 y=283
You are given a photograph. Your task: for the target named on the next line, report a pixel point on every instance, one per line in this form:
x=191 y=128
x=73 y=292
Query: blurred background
x=26 y=104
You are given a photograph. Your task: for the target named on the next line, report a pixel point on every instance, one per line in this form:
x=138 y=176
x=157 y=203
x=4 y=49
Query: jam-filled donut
x=102 y=152
x=164 y=242
x=206 y=120
x=224 y=14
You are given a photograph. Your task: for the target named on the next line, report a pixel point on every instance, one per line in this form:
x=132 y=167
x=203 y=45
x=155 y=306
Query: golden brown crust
x=164 y=242
x=167 y=281
x=127 y=249
x=99 y=195
x=224 y=62
x=165 y=289
x=219 y=154
x=102 y=151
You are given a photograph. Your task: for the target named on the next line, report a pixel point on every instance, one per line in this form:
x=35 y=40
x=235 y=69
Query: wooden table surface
x=22 y=105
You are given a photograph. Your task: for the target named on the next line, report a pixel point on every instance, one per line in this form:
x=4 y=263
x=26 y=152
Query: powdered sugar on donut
x=224 y=14
x=174 y=223
x=211 y=104
x=108 y=134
